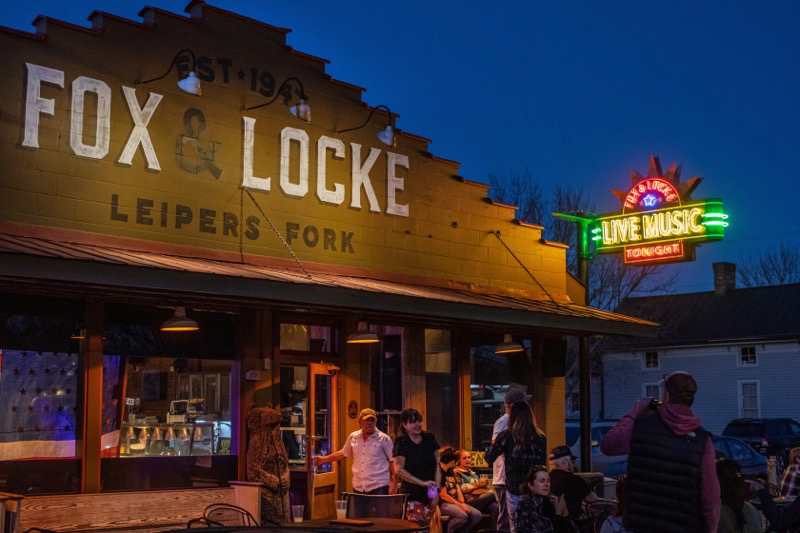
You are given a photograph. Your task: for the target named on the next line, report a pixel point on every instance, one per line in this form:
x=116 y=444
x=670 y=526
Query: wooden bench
x=143 y=512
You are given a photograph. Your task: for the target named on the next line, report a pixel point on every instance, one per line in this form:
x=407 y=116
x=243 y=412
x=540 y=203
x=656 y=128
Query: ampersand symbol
x=194 y=124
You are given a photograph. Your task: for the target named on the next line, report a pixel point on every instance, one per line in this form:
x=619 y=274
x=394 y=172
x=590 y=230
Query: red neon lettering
x=653 y=253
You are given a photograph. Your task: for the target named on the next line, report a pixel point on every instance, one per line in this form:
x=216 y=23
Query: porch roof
x=71 y=259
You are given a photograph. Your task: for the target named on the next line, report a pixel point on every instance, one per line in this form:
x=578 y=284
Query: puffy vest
x=664 y=478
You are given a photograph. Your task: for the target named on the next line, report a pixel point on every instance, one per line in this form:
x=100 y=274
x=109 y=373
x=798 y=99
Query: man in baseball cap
x=564 y=482
x=514 y=395
x=371 y=450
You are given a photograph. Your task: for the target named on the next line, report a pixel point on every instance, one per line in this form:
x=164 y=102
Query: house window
x=651 y=390
x=651 y=360
x=749 y=399
x=747 y=356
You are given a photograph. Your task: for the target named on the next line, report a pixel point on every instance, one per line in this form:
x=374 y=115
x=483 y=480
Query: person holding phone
x=670 y=459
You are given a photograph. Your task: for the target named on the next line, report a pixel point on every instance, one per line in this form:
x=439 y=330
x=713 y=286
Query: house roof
x=739 y=315
x=122 y=266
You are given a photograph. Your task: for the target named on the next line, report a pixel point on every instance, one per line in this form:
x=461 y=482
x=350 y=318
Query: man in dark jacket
x=672 y=480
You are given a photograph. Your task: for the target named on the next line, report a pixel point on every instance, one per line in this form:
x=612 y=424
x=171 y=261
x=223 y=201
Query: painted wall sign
x=659 y=222
x=86 y=149
x=294 y=144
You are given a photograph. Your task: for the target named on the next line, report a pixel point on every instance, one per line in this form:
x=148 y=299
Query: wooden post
x=92 y=355
x=460 y=346
x=585 y=377
x=413 y=364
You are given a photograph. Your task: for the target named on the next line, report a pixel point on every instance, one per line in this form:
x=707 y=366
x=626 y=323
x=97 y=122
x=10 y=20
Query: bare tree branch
x=777 y=266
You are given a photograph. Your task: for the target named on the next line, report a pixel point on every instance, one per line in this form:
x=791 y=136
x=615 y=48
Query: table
x=323 y=526
x=380 y=524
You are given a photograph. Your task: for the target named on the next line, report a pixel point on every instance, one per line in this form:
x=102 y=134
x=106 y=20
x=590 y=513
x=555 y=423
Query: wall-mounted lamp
x=301 y=109
x=184 y=436
x=189 y=84
x=386 y=136
x=198 y=434
x=170 y=435
x=156 y=435
x=508 y=345
x=363 y=335
x=180 y=322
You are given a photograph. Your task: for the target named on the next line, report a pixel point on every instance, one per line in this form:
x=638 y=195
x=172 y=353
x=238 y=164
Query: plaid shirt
x=518 y=462
x=790 y=485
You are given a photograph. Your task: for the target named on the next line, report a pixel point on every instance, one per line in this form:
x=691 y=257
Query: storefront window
x=40 y=394
x=386 y=377
x=441 y=387
x=306 y=338
x=167 y=405
x=492 y=374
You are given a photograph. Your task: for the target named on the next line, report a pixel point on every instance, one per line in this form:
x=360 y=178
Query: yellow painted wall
x=446 y=235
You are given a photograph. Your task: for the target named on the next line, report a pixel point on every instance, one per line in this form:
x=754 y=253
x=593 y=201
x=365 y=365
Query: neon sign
x=649 y=193
x=659 y=222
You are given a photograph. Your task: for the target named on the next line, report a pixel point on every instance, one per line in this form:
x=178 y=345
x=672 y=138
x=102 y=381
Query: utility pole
x=582 y=221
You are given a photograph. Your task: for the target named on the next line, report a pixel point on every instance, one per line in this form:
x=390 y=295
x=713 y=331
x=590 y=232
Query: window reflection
x=40 y=394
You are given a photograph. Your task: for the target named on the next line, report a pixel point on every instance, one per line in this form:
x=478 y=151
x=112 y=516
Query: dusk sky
x=578 y=93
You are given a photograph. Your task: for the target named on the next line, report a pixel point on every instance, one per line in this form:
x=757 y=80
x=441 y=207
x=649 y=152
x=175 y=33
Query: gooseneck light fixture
x=189 y=84
x=180 y=322
x=508 y=345
x=387 y=135
x=363 y=335
x=301 y=109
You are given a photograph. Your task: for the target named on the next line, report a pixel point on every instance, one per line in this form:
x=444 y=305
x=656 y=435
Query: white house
x=741 y=345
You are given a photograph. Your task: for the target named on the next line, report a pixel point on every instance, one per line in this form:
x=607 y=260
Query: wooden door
x=323 y=481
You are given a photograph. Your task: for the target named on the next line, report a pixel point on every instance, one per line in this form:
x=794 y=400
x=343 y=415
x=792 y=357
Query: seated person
x=790 y=484
x=538 y=510
x=477 y=492
x=564 y=482
x=463 y=517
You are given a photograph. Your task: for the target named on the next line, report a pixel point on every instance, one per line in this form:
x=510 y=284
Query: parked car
x=600 y=461
x=769 y=436
x=753 y=463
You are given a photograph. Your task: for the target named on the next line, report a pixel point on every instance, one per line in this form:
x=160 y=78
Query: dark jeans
x=379 y=491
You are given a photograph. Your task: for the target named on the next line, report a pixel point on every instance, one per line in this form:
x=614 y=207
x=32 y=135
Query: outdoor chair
x=223 y=514
x=597 y=511
x=606 y=490
x=375 y=506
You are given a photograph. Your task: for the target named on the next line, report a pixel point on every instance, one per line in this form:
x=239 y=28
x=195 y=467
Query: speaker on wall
x=554 y=357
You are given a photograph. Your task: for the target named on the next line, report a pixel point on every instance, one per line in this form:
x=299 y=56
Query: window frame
x=740 y=363
x=739 y=384
x=657 y=385
x=644 y=361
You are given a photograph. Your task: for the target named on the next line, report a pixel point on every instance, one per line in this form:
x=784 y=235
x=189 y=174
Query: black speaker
x=554 y=357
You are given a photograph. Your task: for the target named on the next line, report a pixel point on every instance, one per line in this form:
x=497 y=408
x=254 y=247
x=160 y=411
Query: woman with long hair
x=790 y=484
x=538 y=511
x=522 y=446
x=736 y=514
x=416 y=461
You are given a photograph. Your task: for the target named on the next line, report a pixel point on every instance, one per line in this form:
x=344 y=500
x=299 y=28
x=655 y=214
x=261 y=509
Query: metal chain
x=497 y=234
x=278 y=233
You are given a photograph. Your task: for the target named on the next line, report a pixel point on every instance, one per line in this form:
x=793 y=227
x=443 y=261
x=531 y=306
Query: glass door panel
x=323 y=480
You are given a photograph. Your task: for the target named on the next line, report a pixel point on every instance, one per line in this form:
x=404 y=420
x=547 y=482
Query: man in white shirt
x=499 y=467
x=371 y=450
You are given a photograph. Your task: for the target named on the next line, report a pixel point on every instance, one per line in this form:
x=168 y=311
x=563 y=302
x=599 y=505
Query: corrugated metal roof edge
x=60 y=236
x=111 y=276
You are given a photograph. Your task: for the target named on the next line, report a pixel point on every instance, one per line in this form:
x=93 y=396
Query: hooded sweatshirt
x=681 y=421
